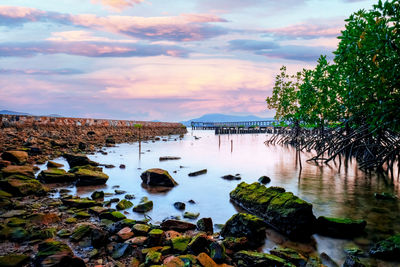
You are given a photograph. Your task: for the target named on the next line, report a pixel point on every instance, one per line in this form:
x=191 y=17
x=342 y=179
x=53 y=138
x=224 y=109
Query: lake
x=333 y=191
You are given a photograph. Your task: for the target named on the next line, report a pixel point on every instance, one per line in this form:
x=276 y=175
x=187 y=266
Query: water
x=344 y=192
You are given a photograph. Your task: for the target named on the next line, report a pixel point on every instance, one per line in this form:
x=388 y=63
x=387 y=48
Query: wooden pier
x=241 y=127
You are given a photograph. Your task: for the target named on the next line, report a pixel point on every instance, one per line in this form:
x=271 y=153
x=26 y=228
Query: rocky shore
x=42 y=225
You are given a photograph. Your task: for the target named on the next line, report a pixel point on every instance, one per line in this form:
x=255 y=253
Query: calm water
x=344 y=192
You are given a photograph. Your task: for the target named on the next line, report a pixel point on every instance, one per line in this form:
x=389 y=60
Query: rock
x=55 y=253
x=138 y=240
x=250 y=258
x=177 y=225
x=388 y=249
x=153 y=258
x=98 y=237
x=205 y=260
x=124 y=204
x=352 y=261
x=71 y=220
x=180 y=244
x=236 y=243
x=173 y=261
x=14 y=260
x=25 y=170
x=52 y=164
x=199 y=244
x=17 y=157
x=78 y=160
x=122 y=166
x=340 y=227
x=56 y=176
x=141 y=229
x=145 y=205
x=120 y=250
x=169 y=158
x=205 y=225
x=4 y=163
x=125 y=233
x=129 y=196
x=79 y=203
x=97 y=210
x=179 y=205
x=63 y=233
x=87 y=177
x=290 y=255
x=191 y=201
x=86 y=167
x=44 y=218
x=97 y=195
x=19 y=185
x=385 y=196
x=17 y=234
x=191 y=215
x=156 y=237
x=81 y=231
x=217 y=252
x=282 y=210
x=264 y=179
x=113 y=216
x=82 y=215
x=231 y=177
x=247 y=225
x=158 y=177
x=197 y=173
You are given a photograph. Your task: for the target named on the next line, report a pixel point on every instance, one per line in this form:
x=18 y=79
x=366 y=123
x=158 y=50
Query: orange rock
x=125 y=233
x=173 y=261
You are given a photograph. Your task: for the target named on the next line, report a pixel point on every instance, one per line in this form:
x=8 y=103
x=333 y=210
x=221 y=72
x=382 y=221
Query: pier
x=241 y=127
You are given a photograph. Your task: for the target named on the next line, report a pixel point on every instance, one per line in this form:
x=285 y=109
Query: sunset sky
x=167 y=60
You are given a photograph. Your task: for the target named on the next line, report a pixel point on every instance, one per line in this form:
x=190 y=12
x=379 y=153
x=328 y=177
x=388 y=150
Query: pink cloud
x=118 y=4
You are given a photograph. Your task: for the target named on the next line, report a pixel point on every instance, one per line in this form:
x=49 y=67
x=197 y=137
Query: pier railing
x=265 y=126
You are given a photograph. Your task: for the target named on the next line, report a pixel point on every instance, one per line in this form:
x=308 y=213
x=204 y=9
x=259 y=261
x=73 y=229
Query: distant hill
x=10 y=112
x=216 y=117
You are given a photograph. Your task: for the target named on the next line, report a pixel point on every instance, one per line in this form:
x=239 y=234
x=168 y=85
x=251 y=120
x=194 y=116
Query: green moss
x=71 y=220
x=52 y=247
x=80 y=232
x=13 y=260
x=153 y=257
x=180 y=243
x=156 y=232
x=4 y=194
x=82 y=214
x=14 y=222
x=124 y=204
x=141 y=228
x=343 y=220
x=259 y=259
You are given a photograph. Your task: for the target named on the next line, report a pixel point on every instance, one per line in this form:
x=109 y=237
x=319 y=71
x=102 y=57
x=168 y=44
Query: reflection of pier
x=241 y=127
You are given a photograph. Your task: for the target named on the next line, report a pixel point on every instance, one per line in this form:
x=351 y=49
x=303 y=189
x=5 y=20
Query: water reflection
x=339 y=189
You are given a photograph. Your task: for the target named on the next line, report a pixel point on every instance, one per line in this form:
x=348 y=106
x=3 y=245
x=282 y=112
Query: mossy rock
x=15 y=222
x=252 y=258
x=198 y=244
x=86 y=167
x=124 y=204
x=245 y=225
x=388 y=249
x=17 y=234
x=18 y=157
x=145 y=205
x=75 y=160
x=56 y=176
x=14 y=260
x=88 y=177
x=290 y=255
x=82 y=215
x=55 y=253
x=191 y=215
x=141 y=229
x=340 y=227
x=97 y=210
x=64 y=233
x=20 y=185
x=44 y=218
x=283 y=210
x=180 y=244
x=113 y=216
x=26 y=170
x=52 y=164
x=153 y=257
x=71 y=220
x=156 y=237
x=43 y=234
x=158 y=177
x=79 y=202
x=4 y=194
x=80 y=232
x=97 y=195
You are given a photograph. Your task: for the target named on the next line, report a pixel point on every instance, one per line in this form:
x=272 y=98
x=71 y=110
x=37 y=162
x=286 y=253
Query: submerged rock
x=97 y=195
x=282 y=210
x=204 y=171
x=158 y=177
x=180 y=205
x=231 y=177
x=124 y=204
x=245 y=225
x=385 y=196
x=340 y=227
x=388 y=249
x=191 y=215
x=264 y=179
x=169 y=158
x=180 y=226
x=78 y=160
x=56 y=176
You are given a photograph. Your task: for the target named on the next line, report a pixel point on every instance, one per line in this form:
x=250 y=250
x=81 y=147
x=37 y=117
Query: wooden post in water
x=231 y=146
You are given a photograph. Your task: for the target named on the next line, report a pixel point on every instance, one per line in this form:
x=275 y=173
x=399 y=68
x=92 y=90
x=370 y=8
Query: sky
x=159 y=59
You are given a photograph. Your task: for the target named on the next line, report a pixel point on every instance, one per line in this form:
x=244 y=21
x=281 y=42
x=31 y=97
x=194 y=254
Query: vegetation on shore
x=348 y=106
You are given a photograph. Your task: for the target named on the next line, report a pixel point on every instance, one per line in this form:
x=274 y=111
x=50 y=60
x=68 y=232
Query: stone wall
x=50 y=136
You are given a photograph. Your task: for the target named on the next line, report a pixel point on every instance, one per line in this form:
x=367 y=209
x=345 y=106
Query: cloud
x=185 y=27
x=251 y=45
x=118 y=4
x=224 y=6
x=40 y=72
x=309 y=30
x=89 y=49
x=297 y=52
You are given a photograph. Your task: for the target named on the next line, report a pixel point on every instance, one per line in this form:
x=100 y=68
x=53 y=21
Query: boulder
x=25 y=170
x=205 y=225
x=264 y=179
x=282 y=210
x=54 y=253
x=78 y=160
x=56 y=176
x=180 y=205
x=180 y=226
x=124 y=204
x=79 y=202
x=158 y=177
x=290 y=255
x=257 y=259
x=52 y=164
x=14 y=260
x=340 y=227
x=88 y=177
x=20 y=185
x=17 y=157
x=245 y=225
x=97 y=195
x=388 y=249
